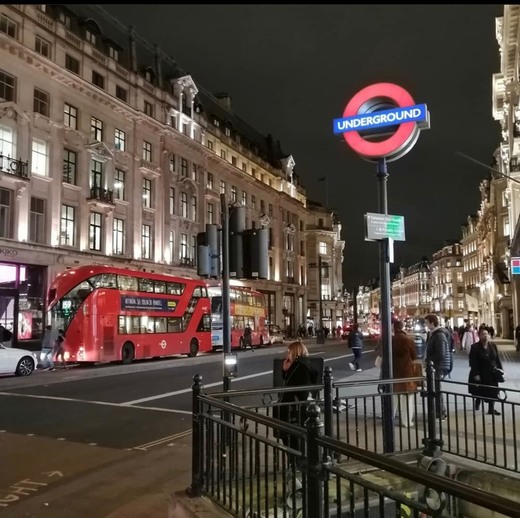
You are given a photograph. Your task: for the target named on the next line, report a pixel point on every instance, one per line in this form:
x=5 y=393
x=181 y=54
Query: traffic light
x=248 y=249
x=256 y=255
x=237 y=226
x=208 y=252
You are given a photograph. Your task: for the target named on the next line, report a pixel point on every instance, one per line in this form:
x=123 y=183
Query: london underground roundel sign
x=382 y=110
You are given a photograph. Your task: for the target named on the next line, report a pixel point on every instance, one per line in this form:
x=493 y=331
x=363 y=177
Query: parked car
x=17 y=361
x=276 y=335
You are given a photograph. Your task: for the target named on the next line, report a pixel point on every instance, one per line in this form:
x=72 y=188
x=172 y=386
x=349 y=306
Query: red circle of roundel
x=401 y=98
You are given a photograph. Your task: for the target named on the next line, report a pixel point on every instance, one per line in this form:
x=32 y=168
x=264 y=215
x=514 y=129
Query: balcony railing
x=187 y=261
x=100 y=194
x=14 y=167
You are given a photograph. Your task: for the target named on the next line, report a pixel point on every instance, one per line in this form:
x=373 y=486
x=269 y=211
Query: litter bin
x=419 y=346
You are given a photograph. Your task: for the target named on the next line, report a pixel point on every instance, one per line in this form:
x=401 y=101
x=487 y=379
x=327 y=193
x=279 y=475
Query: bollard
x=314 y=427
x=196 y=441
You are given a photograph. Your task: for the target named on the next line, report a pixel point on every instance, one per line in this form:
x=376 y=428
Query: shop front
x=22 y=302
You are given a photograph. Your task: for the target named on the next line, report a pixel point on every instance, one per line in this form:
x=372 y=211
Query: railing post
x=328 y=399
x=196 y=440
x=432 y=445
x=314 y=426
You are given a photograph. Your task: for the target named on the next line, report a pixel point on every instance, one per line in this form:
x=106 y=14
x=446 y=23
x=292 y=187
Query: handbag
x=499 y=375
x=378 y=362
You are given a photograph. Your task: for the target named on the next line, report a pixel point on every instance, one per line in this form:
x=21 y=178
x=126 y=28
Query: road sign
x=366 y=111
x=515 y=265
x=383 y=226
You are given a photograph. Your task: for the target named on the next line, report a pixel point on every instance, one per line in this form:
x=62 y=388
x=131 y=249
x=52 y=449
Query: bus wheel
x=127 y=353
x=194 y=348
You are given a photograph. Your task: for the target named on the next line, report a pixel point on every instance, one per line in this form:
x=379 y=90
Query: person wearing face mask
x=483 y=378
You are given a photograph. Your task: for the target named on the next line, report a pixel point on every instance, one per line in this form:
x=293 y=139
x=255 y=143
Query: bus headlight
x=66 y=355
x=81 y=353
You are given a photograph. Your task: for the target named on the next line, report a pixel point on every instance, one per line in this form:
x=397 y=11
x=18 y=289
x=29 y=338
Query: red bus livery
x=247 y=309
x=110 y=314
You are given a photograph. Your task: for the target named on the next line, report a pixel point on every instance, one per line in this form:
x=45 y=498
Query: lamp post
x=320 y=337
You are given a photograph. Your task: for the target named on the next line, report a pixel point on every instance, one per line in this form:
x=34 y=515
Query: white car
x=17 y=361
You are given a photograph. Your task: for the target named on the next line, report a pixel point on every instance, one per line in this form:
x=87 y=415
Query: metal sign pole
x=226 y=310
x=386 y=331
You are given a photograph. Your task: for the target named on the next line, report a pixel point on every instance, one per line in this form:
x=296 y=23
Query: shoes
x=352 y=367
x=494 y=412
x=359 y=370
x=53 y=369
x=444 y=417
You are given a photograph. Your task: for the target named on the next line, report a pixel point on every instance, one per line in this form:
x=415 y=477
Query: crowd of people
x=485 y=367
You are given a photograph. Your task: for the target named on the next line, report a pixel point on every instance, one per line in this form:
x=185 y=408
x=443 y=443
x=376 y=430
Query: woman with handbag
x=485 y=372
x=403 y=363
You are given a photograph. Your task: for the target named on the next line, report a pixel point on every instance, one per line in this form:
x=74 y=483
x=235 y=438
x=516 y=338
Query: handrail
x=252 y=392
x=500 y=387
x=423 y=477
x=254 y=416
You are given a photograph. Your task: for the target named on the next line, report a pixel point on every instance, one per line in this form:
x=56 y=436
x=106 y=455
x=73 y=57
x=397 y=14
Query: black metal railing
x=14 y=167
x=100 y=194
x=470 y=431
x=255 y=465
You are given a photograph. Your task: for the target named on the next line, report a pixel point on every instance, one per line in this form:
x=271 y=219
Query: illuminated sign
x=147 y=303
x=418 y=113
x=383 y=226
x=515 y=265
x=378 y=106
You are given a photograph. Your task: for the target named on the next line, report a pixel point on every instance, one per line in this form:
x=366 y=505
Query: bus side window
x=197 y=292
x=146 y=285
x=104 y=280
x=160 y=287
x=174 y=325
x=160 y=324
x=127 y=283
x=122 y=325
x=175 y=288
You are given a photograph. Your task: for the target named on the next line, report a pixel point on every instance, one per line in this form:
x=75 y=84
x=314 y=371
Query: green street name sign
x=382 y=226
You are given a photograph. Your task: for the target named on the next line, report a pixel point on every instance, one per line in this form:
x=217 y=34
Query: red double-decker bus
x=114 y=314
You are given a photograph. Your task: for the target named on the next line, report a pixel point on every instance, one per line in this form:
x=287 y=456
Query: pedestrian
x=491 y=330
x=484 y=362
x=469 y=338
x=297 y=371
x=59 y=348
x=248 y=337
x=438 y=352
x=403 y=361
x=47 y=351
x=355 y=342
x=517 y=338
x=5 y=336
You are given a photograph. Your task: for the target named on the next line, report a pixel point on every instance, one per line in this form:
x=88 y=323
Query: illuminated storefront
x=22 y=301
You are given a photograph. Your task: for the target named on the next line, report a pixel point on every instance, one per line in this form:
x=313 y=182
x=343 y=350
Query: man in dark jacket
x=439 y=352
x=355 y=342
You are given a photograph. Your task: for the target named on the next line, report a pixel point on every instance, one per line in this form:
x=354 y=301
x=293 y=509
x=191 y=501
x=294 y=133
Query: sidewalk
x=148 y=485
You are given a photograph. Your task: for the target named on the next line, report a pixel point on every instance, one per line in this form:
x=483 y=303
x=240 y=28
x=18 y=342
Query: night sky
x=291 y=69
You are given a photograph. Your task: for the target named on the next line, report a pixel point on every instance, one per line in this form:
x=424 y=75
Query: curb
x=182 y=506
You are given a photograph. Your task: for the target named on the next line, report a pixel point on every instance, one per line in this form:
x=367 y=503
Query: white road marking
x=217 y=383
x=103 y=403
x=162 y=440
